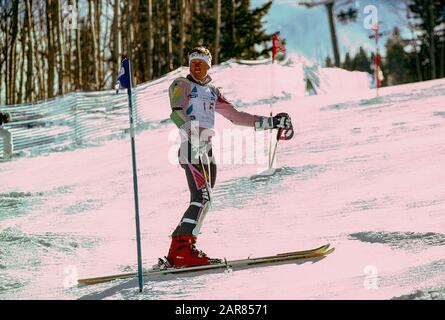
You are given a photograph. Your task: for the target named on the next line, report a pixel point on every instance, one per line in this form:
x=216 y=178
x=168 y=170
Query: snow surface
x=364 y=173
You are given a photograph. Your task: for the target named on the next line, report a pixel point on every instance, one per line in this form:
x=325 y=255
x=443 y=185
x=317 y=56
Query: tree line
x=52 y=47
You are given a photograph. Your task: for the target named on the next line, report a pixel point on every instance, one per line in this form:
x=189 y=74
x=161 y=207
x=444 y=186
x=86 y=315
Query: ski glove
x=283 y=121
x=280 y=121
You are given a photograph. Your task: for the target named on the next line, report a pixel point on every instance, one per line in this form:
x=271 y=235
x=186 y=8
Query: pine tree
x=347 y=63
x=250 y=32
x=430 y=14
x=396 y=67
x=242 y=32
x=361 y=61
x=328 y=62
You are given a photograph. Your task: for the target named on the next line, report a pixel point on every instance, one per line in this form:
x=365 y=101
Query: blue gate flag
x=124 y=78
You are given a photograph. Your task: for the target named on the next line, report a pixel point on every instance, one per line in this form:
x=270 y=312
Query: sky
x=307 y=31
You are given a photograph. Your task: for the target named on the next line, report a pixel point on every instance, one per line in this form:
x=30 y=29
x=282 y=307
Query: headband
x=200 y=56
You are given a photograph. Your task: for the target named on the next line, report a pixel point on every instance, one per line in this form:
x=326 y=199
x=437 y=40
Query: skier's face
x=198 y=69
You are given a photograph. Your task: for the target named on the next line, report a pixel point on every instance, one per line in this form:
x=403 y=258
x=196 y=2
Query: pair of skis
x=155 y=273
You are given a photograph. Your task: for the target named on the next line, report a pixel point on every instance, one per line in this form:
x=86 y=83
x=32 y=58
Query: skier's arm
x=178 y=93
x=228 y=111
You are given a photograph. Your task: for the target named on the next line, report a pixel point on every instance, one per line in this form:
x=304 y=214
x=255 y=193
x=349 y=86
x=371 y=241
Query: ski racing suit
x=192 y=100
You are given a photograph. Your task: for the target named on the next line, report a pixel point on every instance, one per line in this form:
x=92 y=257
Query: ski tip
x=324 y=247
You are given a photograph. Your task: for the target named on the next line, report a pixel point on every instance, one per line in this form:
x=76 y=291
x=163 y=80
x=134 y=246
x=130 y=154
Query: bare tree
x=11 y=61
x=233 y=23
x=3 y=47
x=157 y=52
x=91 y=18
x=188 y=18
x=67 y=26
x=23 y=38
x=117 y=40
x=30 y=52
x=196 y=6
x=97 y=29
x=168 y=35
x=57 y=14
x=105 y=44
x=50 y=49
x=182 y=12
x=150 y=39
x=129 y=38
x=218 y=31
x=41 y=50
x=79 y=77
x=442 y=59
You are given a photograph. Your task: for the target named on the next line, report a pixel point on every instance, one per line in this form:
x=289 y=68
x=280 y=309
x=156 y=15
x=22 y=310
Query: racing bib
x=202 y=105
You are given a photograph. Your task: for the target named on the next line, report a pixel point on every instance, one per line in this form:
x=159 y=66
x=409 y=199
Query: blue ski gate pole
x=125 y=81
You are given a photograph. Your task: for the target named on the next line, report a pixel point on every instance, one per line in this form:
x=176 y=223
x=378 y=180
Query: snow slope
x=364 y=173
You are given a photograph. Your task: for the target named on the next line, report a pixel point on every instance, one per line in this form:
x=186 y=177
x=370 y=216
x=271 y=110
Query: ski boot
x=183 y=253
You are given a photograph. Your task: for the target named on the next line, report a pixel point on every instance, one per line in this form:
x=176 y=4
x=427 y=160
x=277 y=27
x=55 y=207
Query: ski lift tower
x=330 y=9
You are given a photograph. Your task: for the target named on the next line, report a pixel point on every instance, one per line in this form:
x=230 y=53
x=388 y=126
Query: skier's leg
x=199 y=198
x=182 y=250
x=210 y=173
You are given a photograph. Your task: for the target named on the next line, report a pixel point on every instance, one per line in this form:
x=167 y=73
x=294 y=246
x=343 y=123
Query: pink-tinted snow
x=357 y=166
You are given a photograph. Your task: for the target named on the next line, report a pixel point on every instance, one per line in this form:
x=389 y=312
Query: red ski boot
x=183 y=253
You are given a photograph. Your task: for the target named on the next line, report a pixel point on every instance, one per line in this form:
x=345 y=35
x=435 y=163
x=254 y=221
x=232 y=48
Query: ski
x=312 y=254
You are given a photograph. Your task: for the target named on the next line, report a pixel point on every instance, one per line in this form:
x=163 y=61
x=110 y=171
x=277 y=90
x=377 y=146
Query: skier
x=193 y=101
